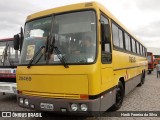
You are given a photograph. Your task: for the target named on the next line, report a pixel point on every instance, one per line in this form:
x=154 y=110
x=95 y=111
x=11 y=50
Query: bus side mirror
x=16 y=42
x=21 y=39
x=105 y=33
x=105 y=36
x=102 y=33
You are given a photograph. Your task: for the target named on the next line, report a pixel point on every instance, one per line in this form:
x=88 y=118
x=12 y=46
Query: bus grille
x=52 y=95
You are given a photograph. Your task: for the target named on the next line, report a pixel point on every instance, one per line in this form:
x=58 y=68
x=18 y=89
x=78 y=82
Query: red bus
x=150 y=62
x=9 y=59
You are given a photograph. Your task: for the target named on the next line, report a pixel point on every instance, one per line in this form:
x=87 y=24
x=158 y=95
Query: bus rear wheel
x=119 y=97
x=142 y=80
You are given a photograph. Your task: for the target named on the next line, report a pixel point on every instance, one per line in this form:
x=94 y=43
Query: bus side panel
x=129 y=67
x=107 y=100
x=132 y=83
x=120 y=63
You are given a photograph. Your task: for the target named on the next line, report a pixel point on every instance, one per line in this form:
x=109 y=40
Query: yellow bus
x=77 y=58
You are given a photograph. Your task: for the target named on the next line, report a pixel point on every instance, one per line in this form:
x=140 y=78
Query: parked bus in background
x=150 y=62
x=78 y=59
x=8 y=64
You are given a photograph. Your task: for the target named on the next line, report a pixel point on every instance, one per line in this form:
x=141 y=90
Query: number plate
x=46 y=106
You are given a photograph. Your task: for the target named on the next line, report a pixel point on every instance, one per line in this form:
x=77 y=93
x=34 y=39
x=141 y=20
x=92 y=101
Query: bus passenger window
x=133 y=45
x=138 y=48
x=127 y=42
x=117 y=36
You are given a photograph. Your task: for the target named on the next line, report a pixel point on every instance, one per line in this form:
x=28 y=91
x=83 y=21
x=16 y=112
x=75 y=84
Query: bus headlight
x=26 y=102
x=84 y=107
x=21 y=100
x=74 y=107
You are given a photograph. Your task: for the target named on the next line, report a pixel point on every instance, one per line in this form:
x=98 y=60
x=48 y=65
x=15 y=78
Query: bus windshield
x=8 y=56
x=74 y=34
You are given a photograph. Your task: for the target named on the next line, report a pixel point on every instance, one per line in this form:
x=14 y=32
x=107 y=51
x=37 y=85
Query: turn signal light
x=84 y=96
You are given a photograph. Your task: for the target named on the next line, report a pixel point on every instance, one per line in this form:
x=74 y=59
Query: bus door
x=106 y=59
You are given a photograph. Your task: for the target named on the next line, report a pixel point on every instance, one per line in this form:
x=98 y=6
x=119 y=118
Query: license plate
x=46 y=106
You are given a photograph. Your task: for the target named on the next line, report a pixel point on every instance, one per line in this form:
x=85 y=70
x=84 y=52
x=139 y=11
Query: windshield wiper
x=57 y=51
x=35 y=56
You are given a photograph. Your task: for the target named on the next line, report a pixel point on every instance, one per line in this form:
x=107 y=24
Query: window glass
x=140 y=49
x=120 y=34
x=149 y=58
x=8 y=56
x=127 y=42
x=133 y=46
x=117 y=36
x=143 y=51
x=137 y=47
x=72 y=34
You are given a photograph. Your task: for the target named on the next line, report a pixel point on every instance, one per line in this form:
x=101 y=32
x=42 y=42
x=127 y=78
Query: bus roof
x=7 y=39
x=79 y=6
x=67 y=8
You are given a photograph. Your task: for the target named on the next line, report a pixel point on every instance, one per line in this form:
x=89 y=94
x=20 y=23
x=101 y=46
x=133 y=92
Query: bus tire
x=119 y=97
x=143 y=77
x=142 y=80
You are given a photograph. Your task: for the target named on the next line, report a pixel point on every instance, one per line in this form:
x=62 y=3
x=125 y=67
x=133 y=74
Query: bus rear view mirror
x=16 y=42
x=105 y=29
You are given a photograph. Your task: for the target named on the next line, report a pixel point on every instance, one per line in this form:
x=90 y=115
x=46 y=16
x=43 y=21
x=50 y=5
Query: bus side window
x=105 y=40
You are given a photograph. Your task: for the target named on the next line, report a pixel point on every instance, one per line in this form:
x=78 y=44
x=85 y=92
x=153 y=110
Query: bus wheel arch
x=120 y=88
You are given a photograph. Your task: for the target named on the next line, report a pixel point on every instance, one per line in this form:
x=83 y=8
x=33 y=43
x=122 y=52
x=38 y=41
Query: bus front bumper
x=72 y=106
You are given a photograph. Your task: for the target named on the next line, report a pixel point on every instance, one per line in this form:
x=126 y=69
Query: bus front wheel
x=119 y=97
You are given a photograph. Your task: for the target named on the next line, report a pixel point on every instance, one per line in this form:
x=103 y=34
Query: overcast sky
x=141 y=17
